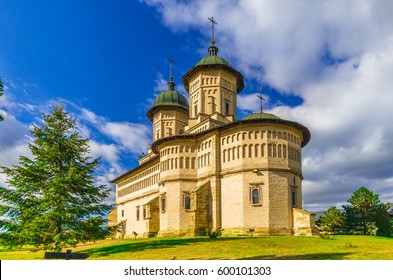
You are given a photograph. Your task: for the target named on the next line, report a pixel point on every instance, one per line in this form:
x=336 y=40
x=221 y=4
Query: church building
x=207 y=170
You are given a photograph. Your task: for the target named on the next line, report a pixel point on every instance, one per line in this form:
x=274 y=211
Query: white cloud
x=251 y=102
x=112 y=141
x=336 y=56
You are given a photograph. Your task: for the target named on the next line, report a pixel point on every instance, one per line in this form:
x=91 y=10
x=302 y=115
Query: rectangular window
x=122 y=213
x=137 y=212
x=226 y=108
x=293 y=198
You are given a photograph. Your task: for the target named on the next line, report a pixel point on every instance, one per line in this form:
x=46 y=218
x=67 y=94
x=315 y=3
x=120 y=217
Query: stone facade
x=206 y=170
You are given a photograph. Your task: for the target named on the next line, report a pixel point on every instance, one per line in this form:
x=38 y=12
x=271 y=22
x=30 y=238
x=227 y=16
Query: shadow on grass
x=322 y=256
x=137 y=246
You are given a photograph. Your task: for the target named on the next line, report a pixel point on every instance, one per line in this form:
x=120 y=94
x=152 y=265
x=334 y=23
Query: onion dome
x=168 y=98
x=213 y=61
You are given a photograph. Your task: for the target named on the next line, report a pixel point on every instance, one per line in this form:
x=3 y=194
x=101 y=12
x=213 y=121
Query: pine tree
x=365 y=213
x=51 y=201
x=333 y=221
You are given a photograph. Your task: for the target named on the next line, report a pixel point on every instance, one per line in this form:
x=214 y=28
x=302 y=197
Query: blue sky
x=325 y=64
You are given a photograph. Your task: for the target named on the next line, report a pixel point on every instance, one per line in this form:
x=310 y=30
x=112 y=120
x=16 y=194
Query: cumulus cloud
x=250 y=102
x=337 y=57
x=113 y=142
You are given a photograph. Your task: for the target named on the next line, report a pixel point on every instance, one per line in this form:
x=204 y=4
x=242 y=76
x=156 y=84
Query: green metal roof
x=260 y=115
x=213 y=59
x=171 y=98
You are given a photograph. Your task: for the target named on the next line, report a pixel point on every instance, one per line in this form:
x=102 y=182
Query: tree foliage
x=333 y=221
x=365 y=213
x=51 y=200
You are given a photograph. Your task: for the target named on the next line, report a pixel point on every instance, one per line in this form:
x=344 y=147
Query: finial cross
x=171 y=84
x=213 y=23
x=261 y=99
x=170 y=60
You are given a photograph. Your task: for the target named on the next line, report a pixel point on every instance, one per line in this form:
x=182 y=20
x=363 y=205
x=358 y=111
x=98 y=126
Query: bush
x=214 y=234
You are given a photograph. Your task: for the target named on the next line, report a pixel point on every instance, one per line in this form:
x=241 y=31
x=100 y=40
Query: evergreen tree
x=333 y=221
x=51 y=201
x=365 y=213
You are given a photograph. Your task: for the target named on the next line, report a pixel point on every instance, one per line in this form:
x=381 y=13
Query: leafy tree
x=365 y=213
x=333 y=221
x=51 y=201
x=1 y=93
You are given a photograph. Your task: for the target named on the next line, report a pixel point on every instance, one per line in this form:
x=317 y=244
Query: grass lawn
x=223 y=248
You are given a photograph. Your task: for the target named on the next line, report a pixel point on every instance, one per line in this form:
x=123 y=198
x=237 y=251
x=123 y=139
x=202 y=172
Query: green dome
x=171 y=98
x=213 y=59
x=261 y=115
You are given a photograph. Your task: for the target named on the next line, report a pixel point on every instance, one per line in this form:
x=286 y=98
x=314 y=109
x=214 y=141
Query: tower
x=212 y=85
x=169 y=112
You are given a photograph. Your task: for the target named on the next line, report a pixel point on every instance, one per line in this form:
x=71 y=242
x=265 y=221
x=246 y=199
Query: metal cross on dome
x=261 y=99
x=213 y=23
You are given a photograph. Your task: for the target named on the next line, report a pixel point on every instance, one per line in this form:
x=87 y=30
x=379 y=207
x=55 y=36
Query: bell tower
x=213 y=85
x=170 y=111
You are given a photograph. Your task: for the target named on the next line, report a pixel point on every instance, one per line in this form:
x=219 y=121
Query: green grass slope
x=229 y=248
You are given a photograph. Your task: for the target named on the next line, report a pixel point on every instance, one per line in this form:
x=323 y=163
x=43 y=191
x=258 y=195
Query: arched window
x=269 y=150
x=256 y=150
x=274 y=150
x=244 y=151
x=187 y=201
x=250 y=151
x=279 y=150
x=233 y=153
x=263 y=150
x=224 y=155
x=284 y=151
x=163 y=203
x=255 y=196
x=293 y=198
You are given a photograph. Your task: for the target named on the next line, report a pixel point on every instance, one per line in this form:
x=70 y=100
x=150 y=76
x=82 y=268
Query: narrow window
x=122 y=213
x=226 y=108
x=163 y=203
x=186 y=201
x=293 y=198
x=137 y=213
x=255 y=196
